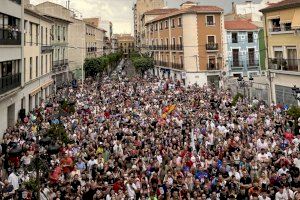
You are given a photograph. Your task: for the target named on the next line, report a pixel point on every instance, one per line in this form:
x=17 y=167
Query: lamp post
x=245 y=84
x=296 y=92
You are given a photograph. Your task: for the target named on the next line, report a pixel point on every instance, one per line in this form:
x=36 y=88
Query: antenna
x=68 y=4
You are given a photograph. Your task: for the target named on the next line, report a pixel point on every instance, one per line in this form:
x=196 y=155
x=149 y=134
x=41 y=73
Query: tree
x=91 y=66
x=142 y=64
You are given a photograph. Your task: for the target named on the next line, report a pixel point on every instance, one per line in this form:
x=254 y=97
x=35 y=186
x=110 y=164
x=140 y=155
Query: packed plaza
x=148 y=138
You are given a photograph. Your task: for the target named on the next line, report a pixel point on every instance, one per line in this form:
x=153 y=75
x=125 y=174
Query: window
x=251 y=56
x=234 y=37
x=211 y=39
x=36 y=66
x=46 y=36
x=179 y=22
x=287 y=26
x=37 y=35
x=42 y=65
x=64 y=33
x=235 y=58
x=250 y=37
x=210 y=20
x=46 y=64
x=292 y=61
x=156 y=26
x=166 y=24
x=212 y=63
x=58 y=33
x=167 y=42
x=30 y=32
x=275 y=25
x=9 y=29
x=160 y=25
x=42 y=32
x=180 y=41
x=173 y=23
x=151 y=28
x=24 y=71
x=173 y=42
x=30 y=68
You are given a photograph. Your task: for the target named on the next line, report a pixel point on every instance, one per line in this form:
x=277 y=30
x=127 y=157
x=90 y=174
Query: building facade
x=125 y=44
x=114 y=44
x=61 y=17
x=139 y=8
x=243 y=53
x=37 y=70
x=187 y=44
x=282 y=35
x=11 y=62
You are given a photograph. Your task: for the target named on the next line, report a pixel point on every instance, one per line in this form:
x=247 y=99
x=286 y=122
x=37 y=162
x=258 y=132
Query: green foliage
x=66 y=107
x=294 y=111
x=94 y=66
x=236 y=98
x=57 y=132
x=30 y=185
x=134 y=55
x=143 y=64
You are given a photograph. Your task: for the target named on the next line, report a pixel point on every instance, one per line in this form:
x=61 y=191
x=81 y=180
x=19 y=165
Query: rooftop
x=160 y=11
x=191 y=9
x=240 y=25
x=282 y=5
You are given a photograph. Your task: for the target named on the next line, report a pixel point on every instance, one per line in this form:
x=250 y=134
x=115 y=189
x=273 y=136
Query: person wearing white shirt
x=14 y=180
x=91 y=162
x=284 y=194
x=297 y=161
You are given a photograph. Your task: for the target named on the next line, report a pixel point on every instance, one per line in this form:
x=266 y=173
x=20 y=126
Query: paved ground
x=129 y=69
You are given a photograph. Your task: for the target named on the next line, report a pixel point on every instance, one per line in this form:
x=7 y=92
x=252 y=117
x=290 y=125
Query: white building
x=37 y=59
x=11 y=56
x=61 y=17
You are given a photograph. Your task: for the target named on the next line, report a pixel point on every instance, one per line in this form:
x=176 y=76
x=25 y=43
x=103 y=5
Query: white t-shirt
x=284 y=195
x=297 y=162
x=14 y=180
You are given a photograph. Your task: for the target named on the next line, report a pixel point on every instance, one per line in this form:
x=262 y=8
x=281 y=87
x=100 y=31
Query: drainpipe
x=267 y=52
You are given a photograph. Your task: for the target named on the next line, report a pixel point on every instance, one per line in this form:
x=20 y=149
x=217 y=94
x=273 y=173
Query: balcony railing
x=91 y=49
x=10 y=82
x=213 y=66
x=281 y=29
x=212 y=46
x=236 y=64
x=284 y=64
x=253 y=63
x=177 y=47
x=60 y=62
x=10 y=37
x=177 y=65
x=46 y=49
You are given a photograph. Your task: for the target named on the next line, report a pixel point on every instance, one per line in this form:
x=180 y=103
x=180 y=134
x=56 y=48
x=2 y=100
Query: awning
x=35 y=91
x=286 y=16
x=47 y=84
x=296 y=19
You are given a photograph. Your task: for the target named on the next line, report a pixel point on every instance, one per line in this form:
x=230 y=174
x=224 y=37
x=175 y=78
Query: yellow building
x=125 y=43
x=282 y=36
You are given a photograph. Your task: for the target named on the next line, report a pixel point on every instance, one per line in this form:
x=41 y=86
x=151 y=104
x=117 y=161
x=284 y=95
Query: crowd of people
x=153 y=139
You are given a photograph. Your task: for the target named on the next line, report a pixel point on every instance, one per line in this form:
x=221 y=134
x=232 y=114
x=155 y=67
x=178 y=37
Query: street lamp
x=245 y=84
x=296 y=92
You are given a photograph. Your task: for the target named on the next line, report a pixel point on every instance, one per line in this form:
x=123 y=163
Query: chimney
x=188 y=4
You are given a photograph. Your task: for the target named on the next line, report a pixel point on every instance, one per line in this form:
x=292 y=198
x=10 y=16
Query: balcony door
x=212 y=63
x=235 y=57
x=251 y=57
x=292 y=58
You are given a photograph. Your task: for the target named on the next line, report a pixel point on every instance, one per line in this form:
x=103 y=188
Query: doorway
x=11 y=115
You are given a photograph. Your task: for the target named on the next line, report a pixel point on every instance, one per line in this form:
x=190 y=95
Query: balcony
x=281 y=29
x=212 y=47
x=253 y=63
x=91 y=49
x=177 y=65
x=177 y=47
x=236 y=65
x=10 y=82
x=46 y=49
x=58 y=63
x=10 y=37
x=284 y=64
x=212 y=66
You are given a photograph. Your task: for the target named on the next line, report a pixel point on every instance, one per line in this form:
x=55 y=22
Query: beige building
x=139 y=8
x=85 y=41
x=61 y=17
x=37 y=58
x=187 y=44
x=125 y=44
x=282 y=36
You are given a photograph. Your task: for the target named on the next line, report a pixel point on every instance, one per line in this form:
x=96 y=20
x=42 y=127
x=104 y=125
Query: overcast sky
x=120 y=13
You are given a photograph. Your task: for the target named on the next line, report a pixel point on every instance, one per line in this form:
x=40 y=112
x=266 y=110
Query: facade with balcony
x=186 y=44
x=11 y=22
x=61 y=18
x=282 y=35
x=125 y=44
x=37 y=61
x=243 y=51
